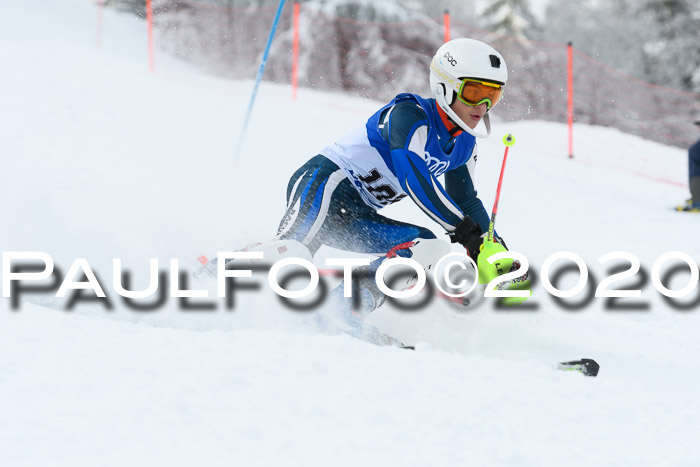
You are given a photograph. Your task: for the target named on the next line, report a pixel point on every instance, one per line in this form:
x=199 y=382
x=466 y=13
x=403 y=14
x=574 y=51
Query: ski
x=585 y=366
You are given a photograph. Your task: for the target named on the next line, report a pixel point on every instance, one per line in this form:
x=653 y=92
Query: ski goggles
x=477 y=92
x=470 y=91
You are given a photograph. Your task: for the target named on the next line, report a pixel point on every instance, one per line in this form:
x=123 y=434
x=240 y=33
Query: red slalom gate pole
x=295 y=51
x=149 y=23
x=446 y=23
x=100 y=5
x=570 y=99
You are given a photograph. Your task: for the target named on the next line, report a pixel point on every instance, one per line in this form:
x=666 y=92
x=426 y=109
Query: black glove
x=468 y=234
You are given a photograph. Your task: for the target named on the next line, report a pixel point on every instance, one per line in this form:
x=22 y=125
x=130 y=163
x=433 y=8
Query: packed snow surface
x=103 y=160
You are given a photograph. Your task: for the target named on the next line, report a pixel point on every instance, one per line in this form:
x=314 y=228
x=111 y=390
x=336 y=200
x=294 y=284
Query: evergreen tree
x=512 y=18
x=671 y=52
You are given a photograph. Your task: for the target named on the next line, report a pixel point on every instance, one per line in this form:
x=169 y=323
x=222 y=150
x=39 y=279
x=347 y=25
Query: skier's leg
x=694 y=175
x=695 y=191
x=373 y=233
x=426 y=252
x=312 y=203
x=323 y=208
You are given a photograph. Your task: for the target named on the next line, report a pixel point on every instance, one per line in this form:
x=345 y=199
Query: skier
x=693 y=204
x=400 y=152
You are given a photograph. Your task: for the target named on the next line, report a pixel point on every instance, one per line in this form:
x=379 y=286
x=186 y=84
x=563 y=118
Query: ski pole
x=258 y=77
x=508 y=140
x=522 y=283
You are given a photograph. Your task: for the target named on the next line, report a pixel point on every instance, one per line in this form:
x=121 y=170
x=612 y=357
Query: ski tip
x=585 y=366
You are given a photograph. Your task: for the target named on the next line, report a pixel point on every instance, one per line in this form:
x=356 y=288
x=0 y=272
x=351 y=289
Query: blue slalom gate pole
x=259 y=76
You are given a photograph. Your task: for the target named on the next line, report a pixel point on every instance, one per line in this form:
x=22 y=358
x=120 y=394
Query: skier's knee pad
x=427 y=252
x=276 y=250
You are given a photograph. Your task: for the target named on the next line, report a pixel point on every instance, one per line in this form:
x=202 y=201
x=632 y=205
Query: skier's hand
x=480 y=249
x=468 y=234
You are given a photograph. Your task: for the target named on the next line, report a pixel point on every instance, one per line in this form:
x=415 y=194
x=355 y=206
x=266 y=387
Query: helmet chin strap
x=440 y=98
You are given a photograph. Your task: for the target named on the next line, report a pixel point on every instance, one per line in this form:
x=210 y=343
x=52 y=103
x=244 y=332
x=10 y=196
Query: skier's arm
x=460 y=188
x=406 y=129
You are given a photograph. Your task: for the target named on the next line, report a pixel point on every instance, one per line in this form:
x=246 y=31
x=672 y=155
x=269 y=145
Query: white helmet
x=459 y=59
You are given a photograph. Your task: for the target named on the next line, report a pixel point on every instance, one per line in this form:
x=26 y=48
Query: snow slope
x=102 y=160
